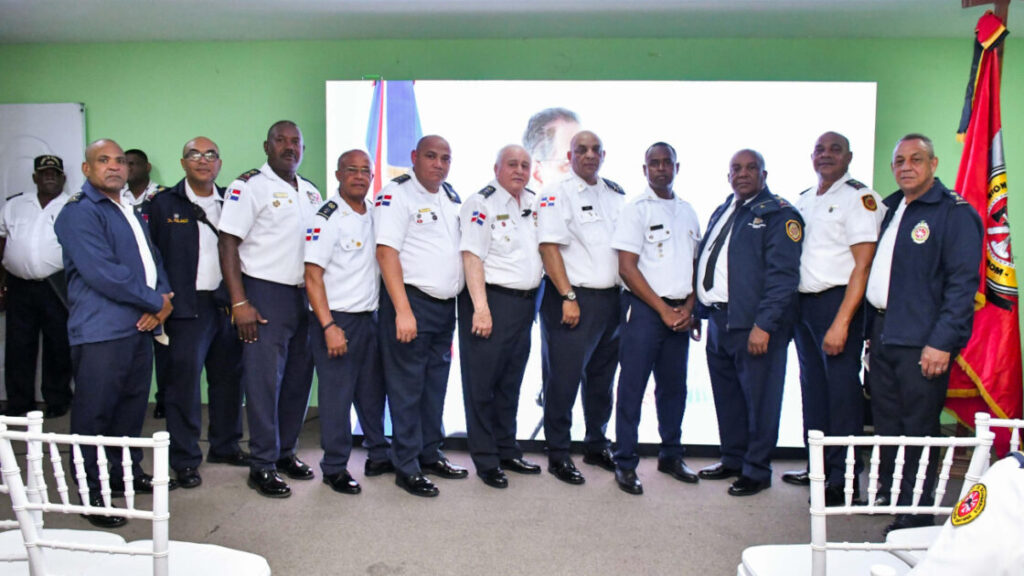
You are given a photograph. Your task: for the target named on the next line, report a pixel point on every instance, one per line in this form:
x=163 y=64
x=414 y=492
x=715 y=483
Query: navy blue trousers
x=34 y=307
x=492 y=373
x=748 y=395
x=355 y=378
x=648 y=345
x=905 y=403
x=416 y=378
x=277 y=371
x=112 y=382
x=830 y=387
x=207 y=340
x=585 y=356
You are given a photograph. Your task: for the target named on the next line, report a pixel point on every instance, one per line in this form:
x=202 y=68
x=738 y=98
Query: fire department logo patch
x=869 y=202
x=921 y=232
x=794 y=230
x=971 y=506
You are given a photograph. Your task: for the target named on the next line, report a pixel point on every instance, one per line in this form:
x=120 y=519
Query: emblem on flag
x=547 y=201
x=312 y=234
x=234 y=194
x=478 y=217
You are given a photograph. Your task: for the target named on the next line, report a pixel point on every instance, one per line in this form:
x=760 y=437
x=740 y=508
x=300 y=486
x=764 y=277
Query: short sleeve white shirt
x=502 y=232
x=208 y=274
x=847 y=213
x=664 y=234
x=877 y=292
x=32 y=251
x=270 y=217
x=581 y=219
x=341 y=242
x=424 y=228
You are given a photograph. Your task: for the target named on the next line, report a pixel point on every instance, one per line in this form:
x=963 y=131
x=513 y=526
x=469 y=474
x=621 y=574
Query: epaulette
x=451 y=193
x=1018 y=457
x=783 y=203
x=615 y=187
x=75 y=197
x=245 y=177
x=400 y=179
x=530 y=191
x=327 y=209
x=769 y=205
x=806 y=191
x=487 y=191
x=856 y=184
x=158 y=190
x=956 y=197
x=13 y=196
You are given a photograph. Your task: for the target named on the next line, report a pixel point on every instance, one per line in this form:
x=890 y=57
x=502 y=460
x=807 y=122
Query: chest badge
x=314 y=197
x=920 y=233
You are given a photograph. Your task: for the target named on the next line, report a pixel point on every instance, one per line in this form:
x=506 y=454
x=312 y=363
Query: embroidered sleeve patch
x=234 y=194
x=547 y=201
x=794 y=230
x=971 y=506
x=478 y=217
x=312 y=234
x=869 y=202
x=383 y=200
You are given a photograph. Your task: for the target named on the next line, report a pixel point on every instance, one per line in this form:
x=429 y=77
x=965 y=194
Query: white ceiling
x=28 y=21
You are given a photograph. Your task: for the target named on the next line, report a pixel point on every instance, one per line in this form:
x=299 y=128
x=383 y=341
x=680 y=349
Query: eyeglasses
x=195 y=155
x=352 y=171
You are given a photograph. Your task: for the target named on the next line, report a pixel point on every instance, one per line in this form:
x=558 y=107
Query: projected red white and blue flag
x=393 y=129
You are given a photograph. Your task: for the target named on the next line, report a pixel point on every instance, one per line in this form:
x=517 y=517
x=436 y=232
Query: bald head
x=355 y=175
x=586 y=154
x=200 y=158
x=106 y=167
x=512 y=169
x=431 y=161
x=347 y=158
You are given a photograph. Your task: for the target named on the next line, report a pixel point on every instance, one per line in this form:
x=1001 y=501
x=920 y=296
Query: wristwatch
x=569 y=296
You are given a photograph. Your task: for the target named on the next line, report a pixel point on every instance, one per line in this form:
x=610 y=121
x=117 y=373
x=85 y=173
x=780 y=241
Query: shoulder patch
x=869 y=202
x=12 y=196
x=782 y=201
x=401 y=178
x=615 y=187
x=970 y=506
x=74 y=197
x=794 y=230
x=245 y=176
x=856 y=184
x=487 y=191
x=806 y=191
x=452 y=195
x=327 y=209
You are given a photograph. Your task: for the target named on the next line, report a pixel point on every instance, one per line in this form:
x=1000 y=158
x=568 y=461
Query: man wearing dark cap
x=36 y=293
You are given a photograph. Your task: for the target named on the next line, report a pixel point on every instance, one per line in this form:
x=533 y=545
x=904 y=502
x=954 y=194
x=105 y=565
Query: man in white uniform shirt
x=417 y=218
x=343 y=284
x=579 y=312
x=841 y=217
x=262 y=231
x=36 y=293
x=183 y=222
x=503 y=270
x=656 y=239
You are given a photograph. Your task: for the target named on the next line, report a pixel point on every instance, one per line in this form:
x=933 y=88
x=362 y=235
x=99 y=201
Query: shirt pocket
x=591 y=224
x=503 y=237
x=658 y=244
x=424 y=217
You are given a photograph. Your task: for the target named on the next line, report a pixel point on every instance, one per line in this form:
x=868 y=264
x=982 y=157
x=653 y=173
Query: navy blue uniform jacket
x=764 y=262
x=107 y=287
x=933 y=282
x=174 y=225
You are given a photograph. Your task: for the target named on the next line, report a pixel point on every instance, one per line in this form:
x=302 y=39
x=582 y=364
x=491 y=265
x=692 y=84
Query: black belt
x=674 y=302
x=823 y=292
x=410 y=289
x=513 y=292
x=615 y=289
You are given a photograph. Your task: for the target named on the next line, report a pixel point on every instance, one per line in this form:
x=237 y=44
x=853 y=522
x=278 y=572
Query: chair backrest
x=983 y=423
x=32 y=422
x=943 y=448
x=26 y=508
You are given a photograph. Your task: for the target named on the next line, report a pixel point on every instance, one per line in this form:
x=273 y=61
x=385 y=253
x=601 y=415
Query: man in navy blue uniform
x=921 y=291
x=747 y=273
x=183 y=222
x=262 y=232
x=118 y=295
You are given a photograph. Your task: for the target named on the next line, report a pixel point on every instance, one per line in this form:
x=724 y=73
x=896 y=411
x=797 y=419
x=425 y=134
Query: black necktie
x=716 y=248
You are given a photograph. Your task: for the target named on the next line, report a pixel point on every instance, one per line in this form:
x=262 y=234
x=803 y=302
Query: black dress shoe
x=189 y=478
x=240 y=458
x=603 y=459
x=746 y=486
x=294 y=468
x=909 y=521
x=628 y=482
x=103 y=521
x=797 y=478
x=55 y=411
x=495 y=478
x=445 y=469
x=417 y=485
x=678 y=469
x=835 y=495
x=520 y=466
x=718 y=471
x=378 y=467
x=566 y=472
x=269 y=484
x=342 y=482
x=159 y=412
x=142 y=484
